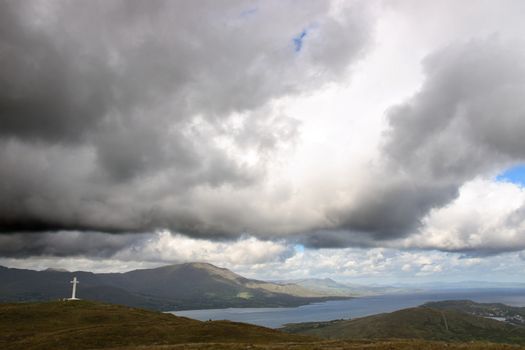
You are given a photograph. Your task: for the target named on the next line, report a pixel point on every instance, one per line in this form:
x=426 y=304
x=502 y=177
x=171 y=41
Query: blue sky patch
x=299 y=248
x=516 y=175
x=298 y=40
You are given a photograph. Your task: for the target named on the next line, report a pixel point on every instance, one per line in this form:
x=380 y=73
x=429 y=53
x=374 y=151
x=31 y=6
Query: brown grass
x=338 y=345
x=88 y=325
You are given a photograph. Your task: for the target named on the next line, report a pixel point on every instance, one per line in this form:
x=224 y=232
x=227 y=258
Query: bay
x=353 y=308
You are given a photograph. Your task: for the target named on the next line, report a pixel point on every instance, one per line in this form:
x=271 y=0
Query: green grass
x=514 y=315
x=415 y=323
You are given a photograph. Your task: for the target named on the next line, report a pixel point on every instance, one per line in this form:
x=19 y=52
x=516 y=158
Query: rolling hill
x=415 y=323
x=174 y=287
x=87 y=325
x=328 y=286
x=91 y=325
x=502 y=312
x=323 y=285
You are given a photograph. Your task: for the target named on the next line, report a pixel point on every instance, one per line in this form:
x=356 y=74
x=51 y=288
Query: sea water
x=353 y=308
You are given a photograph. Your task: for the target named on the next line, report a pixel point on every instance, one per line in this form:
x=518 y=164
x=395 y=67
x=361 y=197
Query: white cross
x=74 y=294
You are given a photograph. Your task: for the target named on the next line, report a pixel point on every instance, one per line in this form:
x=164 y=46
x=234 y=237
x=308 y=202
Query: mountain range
x=174 y=287
x=328 y=286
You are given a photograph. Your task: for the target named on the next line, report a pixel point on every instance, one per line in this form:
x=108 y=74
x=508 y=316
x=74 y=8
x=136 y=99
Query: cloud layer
x=280 y=260
x=466 y=120
x=128 y=116
x=124 y=120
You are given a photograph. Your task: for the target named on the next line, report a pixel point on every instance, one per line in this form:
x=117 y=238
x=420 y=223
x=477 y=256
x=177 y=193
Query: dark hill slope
x=415 y=323
x=87 y=325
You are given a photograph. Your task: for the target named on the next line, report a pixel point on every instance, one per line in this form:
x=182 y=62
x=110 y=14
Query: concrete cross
x=74 y=294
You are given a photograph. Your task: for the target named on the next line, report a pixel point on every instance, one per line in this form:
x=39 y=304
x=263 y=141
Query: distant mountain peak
x=205 y=265
x=220 y=271
x=196 y=264
x=54 y=269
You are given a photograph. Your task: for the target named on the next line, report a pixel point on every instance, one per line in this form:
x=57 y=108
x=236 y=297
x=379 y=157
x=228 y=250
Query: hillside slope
x=86 y=325
x=173 y=287
x=323 y=285
x=327 y=286
x=510 y=314
x=90 y=325
x=415 y=323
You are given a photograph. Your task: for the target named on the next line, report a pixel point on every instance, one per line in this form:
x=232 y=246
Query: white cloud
x=166 y=247
x=269 y=260
x=487 y=217
x=280 y=143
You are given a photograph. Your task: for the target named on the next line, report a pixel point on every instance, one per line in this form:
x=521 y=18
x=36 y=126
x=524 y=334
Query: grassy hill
x=328 y=286
x=510 y=314
x=174 y=287
x=415 y=323
x=90 y=325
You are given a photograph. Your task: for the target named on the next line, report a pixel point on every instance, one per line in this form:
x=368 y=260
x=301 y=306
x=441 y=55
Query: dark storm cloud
x=336 y=238
x=393 y=209
x=67 y=243
x=467 y=119
x=114 y=114
x=468 y=115
x=40 y=94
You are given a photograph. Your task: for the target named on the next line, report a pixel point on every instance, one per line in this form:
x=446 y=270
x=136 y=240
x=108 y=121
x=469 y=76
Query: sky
x=369 y=141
